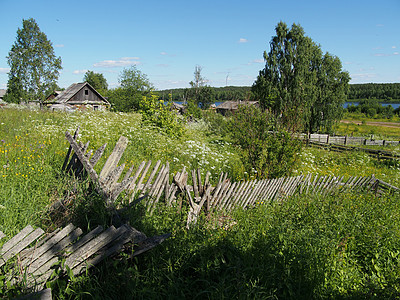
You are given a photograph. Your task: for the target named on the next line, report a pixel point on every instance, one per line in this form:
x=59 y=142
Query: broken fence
x=38 y=252
x=151 y=183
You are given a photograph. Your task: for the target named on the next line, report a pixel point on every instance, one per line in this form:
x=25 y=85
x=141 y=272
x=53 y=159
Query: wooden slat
x=69 y=151
x=21 y=245
x=54 y=251
x=195 y=185
x=84 y=252
x=16 y=239
x=114 y=157
x=85 y=239
x=97 y=155
x=111 y=180
x=48 y=245
x=138 y=186
x=150 y=179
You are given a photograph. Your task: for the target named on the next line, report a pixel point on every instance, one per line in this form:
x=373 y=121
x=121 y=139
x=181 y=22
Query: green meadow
x=344 y=246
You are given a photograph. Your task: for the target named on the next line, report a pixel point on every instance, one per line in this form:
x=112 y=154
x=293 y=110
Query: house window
x=95 y=107
x=86 y=92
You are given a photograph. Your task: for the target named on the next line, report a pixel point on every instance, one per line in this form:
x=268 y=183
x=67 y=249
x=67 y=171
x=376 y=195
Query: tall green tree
x=299 y=83
x=96 y=80
x=200 y=93
x=134 y=85
x=34 y=67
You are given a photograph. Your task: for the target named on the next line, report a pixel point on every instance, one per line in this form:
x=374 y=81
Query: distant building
x=2 y=93
x=80 y=96
x=53 y=95
x=232 y=106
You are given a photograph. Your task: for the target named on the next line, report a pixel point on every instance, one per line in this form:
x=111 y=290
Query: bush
x=269 y=150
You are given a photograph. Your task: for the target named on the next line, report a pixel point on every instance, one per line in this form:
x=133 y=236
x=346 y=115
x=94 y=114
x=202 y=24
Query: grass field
x=342 y=246
x=358 y=125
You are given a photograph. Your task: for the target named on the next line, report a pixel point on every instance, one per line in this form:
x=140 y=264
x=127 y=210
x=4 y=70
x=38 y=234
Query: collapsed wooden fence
x=38 y=252
x=151 y=183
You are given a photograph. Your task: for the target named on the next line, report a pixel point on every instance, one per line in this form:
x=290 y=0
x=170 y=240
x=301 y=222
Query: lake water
x=394 y=105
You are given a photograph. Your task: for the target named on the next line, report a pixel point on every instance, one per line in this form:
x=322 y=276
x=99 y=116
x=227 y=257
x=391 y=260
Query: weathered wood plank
x=201 y=187
x=86 y=238
x=97 y=155
x=227 y=198
x=114 y=157
x=138 y=186
x=21 y=245
x=150 y=179
x=69 y=151
x=131 y=234
x=40 y=295
x=53 y=251
x=88 y=167
x=16 y=239
x=94 y=245
x=48 y=245
x=111 y=180
x=195 y=185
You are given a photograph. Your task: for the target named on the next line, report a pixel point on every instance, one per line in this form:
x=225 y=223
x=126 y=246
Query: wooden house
x=232 y=106
x=53 y=95
x=82 y=96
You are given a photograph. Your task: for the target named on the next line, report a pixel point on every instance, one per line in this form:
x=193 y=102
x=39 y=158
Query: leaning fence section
x=151 y=183
x=36 y=253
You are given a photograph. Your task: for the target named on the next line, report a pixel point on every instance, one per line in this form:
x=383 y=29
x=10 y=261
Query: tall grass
x=343 y=246
x=308 y=247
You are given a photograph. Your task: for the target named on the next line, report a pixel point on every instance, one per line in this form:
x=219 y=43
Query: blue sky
x=167 y=39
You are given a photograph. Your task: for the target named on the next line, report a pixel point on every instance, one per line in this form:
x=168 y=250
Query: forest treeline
x=382 y=91
x=389 y=92
x=219 y=94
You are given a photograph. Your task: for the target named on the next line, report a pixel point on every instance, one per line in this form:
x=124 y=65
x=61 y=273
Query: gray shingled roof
x=72 y=90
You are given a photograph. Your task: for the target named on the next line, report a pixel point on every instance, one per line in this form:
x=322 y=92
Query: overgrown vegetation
x=344 y=246
x=269 y=149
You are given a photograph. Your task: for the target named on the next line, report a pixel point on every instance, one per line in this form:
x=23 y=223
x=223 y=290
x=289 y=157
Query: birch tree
x=34 y=67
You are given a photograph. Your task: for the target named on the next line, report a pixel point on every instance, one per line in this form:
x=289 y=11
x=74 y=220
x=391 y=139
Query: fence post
x=327 y=139
x=345 y=140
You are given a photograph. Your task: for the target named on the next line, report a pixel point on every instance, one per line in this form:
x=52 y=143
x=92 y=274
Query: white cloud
x=59 y=46
x=362 y=76
x=79 y=71
x=163 y=65
x=243 y=40
x=163 y=53
x=396 y=53
x=258 y=61
x=3 y=86
x=129 y=58
x=4 y=70
x=394 y=47
x=122 y=62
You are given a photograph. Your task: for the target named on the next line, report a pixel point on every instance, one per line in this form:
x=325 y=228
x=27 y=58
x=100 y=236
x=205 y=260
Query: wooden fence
x=150 y=183
x=346 y=140
x=37 y=252
x=379 y=154
x=188 y=186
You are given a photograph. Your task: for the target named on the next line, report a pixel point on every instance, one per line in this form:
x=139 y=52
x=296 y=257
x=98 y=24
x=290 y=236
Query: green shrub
x=268 y=149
